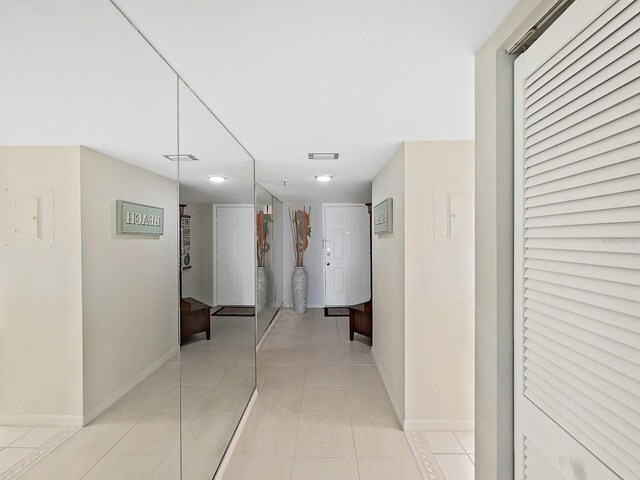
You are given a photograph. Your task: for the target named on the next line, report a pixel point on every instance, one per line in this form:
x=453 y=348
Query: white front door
x=577 y=247
x=235 y=264
x=347 y=255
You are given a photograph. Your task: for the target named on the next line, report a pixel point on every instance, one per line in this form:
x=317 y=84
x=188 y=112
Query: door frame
x=214 y=271
x=324 y=250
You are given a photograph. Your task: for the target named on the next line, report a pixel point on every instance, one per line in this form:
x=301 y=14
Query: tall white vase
x=299 y=283
x=262 y=288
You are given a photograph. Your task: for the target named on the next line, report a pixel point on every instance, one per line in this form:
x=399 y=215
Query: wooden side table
x=361 y=320
x=195 y=317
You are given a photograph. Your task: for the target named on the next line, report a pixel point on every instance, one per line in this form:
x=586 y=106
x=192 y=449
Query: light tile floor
x=205 y=389
x=322 y=411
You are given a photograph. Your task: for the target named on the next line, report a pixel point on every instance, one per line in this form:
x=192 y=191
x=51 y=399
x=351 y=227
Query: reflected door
x=234 y=259
x=347 y=251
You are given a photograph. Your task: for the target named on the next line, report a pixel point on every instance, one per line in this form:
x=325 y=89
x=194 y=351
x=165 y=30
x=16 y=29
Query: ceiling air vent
x=323 y=156
x=183 y=157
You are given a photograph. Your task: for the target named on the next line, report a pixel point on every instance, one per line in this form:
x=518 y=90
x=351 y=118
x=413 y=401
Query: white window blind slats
x=610 y=230
x=619 y=399
x=568 y=53
x=611 y=187
x=607 y=202
x=614 y=77
x=607 y=146
x=618 y=58
x=545 y=344
x=617 y=426
x=578 y=243
x=611 y=215
x=616 y=105
x=621 y=263
x=621 y=351
x=603 y=315
x=536 y=466
x=604 y=273
x=620 y=155
x=608 y=50
x=570 y=245
x=598 y=436
x=616 y=290
x=534 y=155
x=605 y=358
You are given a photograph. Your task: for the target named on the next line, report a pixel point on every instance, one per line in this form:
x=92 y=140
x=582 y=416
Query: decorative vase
x=262 y=287
x=299 y=285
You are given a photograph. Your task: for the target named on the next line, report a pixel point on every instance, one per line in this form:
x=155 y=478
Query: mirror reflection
x=217 y=287
x=269 y=216
x=89 y=367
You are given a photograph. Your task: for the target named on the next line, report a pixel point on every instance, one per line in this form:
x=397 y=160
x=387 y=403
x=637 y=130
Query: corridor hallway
x=322 y=411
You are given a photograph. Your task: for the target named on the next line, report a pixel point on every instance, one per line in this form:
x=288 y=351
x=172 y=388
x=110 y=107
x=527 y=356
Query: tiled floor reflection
x=139 y=437
x=322 y=410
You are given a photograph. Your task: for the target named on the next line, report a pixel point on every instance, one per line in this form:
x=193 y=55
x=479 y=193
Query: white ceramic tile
x=325 y=468
x=370 y=399
x=467 y=441
x=279 y=400
x=125 y=467
x=472 y=457
x=325 y=375
x=154 y=434
x=9 y=434
x=37 y=437
x=250 y=467
x=284 y=375
x=62 y=466
x=325 y=401
x=379 y=437
x=271 y=436
x=324 y=436
x=10 y=456
x=455 y=466
x=388 y=468
x=442 y=442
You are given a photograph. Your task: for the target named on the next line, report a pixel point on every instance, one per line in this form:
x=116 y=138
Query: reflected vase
x=262 y=288
x=299 y=283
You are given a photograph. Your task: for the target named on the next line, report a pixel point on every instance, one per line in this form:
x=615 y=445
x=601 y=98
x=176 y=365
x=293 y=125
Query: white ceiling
x=76 y=73
x=356 y=77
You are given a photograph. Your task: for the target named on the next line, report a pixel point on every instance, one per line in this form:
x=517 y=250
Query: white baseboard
x=395 y=401
x=451 y=425
x=224 y=463
x=42 y=420
x=127 y=387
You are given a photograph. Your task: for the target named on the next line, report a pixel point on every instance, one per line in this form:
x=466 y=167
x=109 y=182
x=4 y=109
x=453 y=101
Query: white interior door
x=347 y=255
x=577 y=247
x=235 y=265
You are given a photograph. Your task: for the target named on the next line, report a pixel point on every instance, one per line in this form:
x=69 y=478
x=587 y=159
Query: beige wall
x=41 y=296
x=388 y=283
x=439 y=290
x=197 y=282
x=494 y=244
x=423 y=293
x=129 y=283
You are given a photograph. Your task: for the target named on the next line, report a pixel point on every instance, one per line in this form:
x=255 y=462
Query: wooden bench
x=195 y=317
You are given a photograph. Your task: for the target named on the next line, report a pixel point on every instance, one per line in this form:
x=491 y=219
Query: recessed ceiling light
x=217 y=178
x=324 y=178
x=183 y=157
x=323 y=156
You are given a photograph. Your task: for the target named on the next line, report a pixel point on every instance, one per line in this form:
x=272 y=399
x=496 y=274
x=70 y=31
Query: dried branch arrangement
x=300 y=222
x=262 y=223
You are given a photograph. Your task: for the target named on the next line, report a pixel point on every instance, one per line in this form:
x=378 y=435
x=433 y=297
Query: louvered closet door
x=577 y=247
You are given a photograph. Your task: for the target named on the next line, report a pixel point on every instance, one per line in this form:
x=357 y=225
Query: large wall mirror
x=127 y=286
x=269 y=251
x=217 y=306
